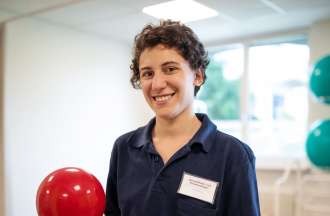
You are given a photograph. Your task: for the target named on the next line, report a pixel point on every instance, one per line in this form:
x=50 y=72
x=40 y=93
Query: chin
x=165 y=114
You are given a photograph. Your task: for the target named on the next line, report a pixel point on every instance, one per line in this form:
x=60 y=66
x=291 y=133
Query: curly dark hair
x=171 y=34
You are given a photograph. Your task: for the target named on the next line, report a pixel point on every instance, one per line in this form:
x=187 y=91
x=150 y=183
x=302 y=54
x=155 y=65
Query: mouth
x=163 y=98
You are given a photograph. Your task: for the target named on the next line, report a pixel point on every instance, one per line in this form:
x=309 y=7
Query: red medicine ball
x=70 y=192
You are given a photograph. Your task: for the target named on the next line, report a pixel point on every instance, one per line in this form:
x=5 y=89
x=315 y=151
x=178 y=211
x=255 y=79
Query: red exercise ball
x=70 y=191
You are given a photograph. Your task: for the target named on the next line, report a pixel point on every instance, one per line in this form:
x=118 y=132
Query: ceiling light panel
x=180 y=10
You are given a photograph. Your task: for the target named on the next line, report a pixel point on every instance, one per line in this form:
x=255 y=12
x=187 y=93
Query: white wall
x=66 y=98
x=2 y=198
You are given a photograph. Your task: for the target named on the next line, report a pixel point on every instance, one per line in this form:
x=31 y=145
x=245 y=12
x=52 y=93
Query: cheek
x=145 y=90
x=190 y=84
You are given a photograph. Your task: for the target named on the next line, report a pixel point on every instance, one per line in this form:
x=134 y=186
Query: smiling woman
x=164 y=78
x=180 y=163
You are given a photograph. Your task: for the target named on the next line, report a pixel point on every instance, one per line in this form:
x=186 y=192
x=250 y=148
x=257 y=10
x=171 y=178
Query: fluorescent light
x=180 y=10
x=274 y=6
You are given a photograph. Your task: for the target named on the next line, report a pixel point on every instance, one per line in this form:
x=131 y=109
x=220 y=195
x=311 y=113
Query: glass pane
x=278 y=99
x=221 y=92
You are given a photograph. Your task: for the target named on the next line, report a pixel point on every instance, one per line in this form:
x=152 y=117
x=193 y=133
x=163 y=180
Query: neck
x=185 y=124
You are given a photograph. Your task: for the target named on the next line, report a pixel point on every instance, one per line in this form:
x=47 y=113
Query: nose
x=158 y=82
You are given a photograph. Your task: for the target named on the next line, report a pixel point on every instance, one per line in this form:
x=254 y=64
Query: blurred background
x=65 y=94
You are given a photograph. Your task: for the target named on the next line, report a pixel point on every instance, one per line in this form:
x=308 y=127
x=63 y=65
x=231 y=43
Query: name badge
x=197 y=187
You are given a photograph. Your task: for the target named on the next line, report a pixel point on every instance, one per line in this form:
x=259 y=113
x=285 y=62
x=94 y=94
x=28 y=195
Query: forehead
x=159 y=54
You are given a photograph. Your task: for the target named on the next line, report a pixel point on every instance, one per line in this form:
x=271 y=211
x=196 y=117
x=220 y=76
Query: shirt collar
x=203 y=136
x=145 y=135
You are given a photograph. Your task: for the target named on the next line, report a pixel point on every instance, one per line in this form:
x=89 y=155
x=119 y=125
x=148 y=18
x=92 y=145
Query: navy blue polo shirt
x=140 y=184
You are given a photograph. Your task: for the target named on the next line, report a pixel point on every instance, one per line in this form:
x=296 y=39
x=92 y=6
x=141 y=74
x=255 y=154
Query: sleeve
x=111 y=207
x=241 y=191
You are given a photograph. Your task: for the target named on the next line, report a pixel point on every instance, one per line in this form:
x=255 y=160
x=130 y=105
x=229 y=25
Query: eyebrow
x=145 y=68
x=163 y=65
x=170 y=62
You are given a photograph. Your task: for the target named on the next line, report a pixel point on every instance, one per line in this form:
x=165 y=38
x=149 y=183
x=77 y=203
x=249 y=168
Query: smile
x=163 y=98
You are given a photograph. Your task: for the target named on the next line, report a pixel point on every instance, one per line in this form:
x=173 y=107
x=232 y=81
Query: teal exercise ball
x=319 y=81
x=318 y=144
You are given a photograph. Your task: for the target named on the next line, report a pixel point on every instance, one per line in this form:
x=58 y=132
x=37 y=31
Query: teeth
x=163 y=98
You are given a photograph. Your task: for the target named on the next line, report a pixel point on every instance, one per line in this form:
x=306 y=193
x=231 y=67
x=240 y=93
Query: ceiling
x=122 y=19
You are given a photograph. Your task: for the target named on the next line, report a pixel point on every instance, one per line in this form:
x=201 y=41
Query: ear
x=199 y=78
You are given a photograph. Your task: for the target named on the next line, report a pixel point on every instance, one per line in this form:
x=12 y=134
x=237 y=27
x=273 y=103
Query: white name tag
x=197 y=187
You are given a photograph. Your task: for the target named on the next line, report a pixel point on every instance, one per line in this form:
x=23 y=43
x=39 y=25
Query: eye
x=171 y=69
x=147 y=74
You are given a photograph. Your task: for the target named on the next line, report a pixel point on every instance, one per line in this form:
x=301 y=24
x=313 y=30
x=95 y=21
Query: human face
x=167 y=81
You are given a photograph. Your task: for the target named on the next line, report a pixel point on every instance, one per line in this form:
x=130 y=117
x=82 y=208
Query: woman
x=179 y=163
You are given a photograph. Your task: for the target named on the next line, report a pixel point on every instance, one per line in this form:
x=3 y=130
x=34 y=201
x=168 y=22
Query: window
x=221 y=92
x=278 y=98
x=259 y=94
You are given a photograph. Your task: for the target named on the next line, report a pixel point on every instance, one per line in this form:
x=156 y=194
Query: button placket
x=156 y=164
